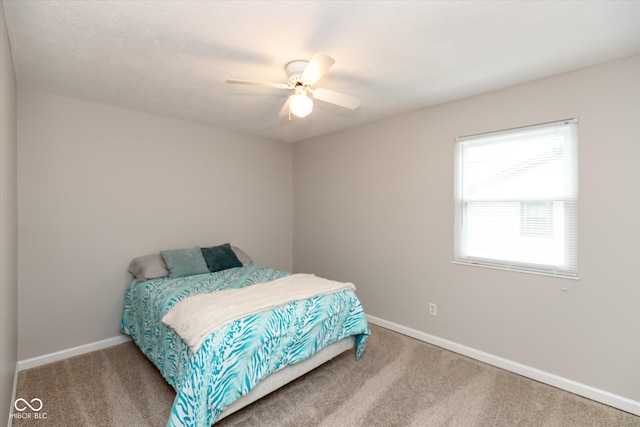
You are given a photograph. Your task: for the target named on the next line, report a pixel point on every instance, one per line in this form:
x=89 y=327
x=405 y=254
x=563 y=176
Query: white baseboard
x=13 y=396
x=580 y=389
x=71 y=352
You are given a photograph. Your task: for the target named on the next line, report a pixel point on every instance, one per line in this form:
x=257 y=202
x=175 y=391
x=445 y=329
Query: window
x=516 y=199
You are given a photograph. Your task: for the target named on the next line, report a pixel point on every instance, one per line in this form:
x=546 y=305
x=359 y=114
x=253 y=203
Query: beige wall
x=8 y=224
x=99 y=185
x=374 y=205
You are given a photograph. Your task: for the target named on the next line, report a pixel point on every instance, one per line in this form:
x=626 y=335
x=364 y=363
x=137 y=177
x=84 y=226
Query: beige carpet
x=399 y=381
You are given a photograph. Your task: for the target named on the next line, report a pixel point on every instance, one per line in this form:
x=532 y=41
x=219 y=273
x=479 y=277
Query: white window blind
x=516 y=199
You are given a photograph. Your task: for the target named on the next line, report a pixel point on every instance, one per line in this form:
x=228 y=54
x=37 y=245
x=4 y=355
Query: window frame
x=569 y=269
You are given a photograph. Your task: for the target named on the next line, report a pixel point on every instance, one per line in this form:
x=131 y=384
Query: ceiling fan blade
x=317 y=67
x=284 y=112
x=337 y=98
x=262 y=84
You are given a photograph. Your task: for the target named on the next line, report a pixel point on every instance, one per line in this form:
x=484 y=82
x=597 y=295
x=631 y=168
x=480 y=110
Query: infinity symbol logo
x=21 y=408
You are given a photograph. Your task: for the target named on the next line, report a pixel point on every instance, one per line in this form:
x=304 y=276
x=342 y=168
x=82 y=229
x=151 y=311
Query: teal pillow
x=184 y=262
x=220 y=258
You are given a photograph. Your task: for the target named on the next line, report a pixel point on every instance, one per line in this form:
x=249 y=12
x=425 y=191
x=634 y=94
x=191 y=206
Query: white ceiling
x=173 y=57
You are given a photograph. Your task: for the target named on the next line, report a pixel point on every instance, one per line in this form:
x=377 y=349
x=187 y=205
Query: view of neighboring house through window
x=516 y=194
x=537 y=218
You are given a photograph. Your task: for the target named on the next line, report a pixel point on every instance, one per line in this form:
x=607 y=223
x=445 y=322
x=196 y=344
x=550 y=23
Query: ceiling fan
x=301 y=76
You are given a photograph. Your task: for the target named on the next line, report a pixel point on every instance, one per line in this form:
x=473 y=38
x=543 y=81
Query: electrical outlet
x=433 y=309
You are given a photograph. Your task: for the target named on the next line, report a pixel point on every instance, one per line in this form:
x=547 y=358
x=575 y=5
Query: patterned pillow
x=184 y=262
x=220 y=258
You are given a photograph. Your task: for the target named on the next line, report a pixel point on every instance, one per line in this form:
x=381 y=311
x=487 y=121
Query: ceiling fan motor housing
x=294 y=71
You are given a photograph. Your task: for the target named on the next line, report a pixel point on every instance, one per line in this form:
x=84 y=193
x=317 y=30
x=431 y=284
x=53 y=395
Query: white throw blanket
x=197 y=317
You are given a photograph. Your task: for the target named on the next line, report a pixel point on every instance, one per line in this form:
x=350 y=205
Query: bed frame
x=288 y=374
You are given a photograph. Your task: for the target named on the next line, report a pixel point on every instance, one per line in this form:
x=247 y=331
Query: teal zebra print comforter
x=241 y=353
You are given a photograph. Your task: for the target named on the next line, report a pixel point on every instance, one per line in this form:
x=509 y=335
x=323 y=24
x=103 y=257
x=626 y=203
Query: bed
x=246 y=357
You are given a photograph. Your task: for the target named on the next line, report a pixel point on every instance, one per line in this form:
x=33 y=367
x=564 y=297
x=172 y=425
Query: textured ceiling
x=173 y=57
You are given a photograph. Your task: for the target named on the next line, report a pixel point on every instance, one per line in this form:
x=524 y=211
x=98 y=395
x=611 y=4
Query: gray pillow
x=148 y=267
x=242 y=257
x=185 y=262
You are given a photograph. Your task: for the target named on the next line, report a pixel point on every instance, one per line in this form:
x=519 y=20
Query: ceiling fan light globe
x=300 y=105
